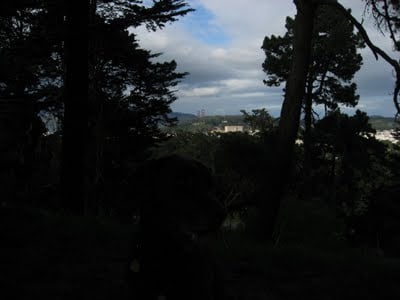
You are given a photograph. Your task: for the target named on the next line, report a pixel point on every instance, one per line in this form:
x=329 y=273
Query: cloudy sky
x=219 y=45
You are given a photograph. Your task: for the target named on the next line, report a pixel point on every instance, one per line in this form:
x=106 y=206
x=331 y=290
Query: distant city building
x=201 y=113
x=229 y=128
x=233 y=128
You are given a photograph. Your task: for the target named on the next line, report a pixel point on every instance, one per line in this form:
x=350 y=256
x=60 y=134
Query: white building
x=233 y=128
x=385 y=135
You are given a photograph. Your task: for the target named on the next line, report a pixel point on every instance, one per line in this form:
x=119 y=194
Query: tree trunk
x=95 y=140
x=76 y=104
x=291 y=109
x=307 y=136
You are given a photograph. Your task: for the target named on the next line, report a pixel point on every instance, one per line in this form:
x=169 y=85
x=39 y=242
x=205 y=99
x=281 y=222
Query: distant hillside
x=382 y=123
x=223 y=120
x=182 y=117
x=192 y=122
x=211 y=120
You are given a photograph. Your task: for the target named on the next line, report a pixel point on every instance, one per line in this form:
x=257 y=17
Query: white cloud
x=228 y=77
x=201 y=92
x=246 y=20
x=240 y=84
x=249 y=95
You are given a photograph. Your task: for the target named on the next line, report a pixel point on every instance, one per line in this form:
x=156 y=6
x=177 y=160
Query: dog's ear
x=151 y=180
x=181 y=190
x=143 y=181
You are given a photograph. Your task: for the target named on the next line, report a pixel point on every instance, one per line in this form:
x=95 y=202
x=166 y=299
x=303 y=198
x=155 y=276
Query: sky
x=219 y=45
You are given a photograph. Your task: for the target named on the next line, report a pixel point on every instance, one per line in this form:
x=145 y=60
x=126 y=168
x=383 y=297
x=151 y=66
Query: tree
x=104 y=68
x=290 y=115
x=28 y=79
x=295 y=87
x=133 y=92
x=30 y=51
x=259 y=120
x=350 y=165
x=347 y=142
x=117 y=64
x=334 y=61
x=387 y=17
x=74 y=177
x=386 y=14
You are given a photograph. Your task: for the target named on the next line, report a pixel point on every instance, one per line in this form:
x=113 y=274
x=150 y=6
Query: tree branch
x=389 y=24
x=375 y=50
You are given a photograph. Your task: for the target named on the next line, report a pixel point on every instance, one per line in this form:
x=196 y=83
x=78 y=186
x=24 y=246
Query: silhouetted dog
x=178 y=203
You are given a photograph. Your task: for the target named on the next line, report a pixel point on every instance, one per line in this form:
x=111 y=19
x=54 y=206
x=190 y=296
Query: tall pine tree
x=113 y=89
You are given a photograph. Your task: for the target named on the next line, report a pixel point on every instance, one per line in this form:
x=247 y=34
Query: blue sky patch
x=201 y=24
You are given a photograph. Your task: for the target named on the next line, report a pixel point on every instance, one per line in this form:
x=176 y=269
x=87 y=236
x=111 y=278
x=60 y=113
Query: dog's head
x=181 y=191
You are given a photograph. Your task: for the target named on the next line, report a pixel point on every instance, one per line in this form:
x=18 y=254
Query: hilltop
x=382 y=123
x=182 y=117
x=191 y=122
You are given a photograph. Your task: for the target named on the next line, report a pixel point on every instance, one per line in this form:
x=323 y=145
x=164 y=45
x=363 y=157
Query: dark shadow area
x=179 y=207
x=105 y=193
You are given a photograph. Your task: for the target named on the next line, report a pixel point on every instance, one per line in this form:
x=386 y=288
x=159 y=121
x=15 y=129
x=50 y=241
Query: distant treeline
x=193 y=122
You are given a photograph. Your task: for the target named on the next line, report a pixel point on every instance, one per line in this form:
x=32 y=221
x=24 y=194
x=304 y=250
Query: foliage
x=317 y=59
x=31 y=58
x=386 y=14
x=387 y=17
x=124 y=66
x=334 y=59
x=28 y=78
x=347 y=156
x=134 y=90
x=129 y=92
x=30 y=52
x=382 y=123
x=207 y=123
x=238 y=161
x=197 y=145
x=260 y=120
